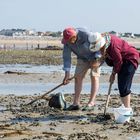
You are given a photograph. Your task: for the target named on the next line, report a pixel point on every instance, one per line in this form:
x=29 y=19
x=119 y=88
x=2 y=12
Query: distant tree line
x=9 y=32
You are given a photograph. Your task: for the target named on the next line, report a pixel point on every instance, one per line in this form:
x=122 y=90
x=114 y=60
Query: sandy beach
x=28 y=43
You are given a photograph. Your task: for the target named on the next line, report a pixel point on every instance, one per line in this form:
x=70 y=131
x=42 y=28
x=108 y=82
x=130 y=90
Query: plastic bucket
x=122 y=114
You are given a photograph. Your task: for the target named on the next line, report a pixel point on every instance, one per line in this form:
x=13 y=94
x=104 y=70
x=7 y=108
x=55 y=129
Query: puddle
x=32 y=68
x=36 y=88
x=41 y=88
x=2 y=108
x=134 y=138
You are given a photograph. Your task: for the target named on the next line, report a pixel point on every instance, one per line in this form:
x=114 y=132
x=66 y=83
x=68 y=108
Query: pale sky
x=55 y=15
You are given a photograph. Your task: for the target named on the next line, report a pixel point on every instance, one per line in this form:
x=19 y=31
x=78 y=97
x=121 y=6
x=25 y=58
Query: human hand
x=66 y=78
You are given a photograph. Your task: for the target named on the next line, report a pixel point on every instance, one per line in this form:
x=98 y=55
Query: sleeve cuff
x=66 y=69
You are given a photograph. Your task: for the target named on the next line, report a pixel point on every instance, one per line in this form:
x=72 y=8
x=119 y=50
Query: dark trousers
x=125 y=77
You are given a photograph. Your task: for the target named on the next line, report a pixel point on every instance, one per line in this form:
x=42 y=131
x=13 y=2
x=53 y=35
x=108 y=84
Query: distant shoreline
x=24 y=42
x=36 y=50
x=28 y=43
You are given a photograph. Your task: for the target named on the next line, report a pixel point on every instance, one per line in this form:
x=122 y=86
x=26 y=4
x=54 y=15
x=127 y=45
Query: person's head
x=69 y=35
x=98 y=41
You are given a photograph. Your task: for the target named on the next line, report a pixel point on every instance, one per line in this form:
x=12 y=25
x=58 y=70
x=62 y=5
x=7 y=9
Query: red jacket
x=119 y=51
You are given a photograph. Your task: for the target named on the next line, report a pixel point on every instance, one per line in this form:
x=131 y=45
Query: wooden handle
x=108 y=97
x=40 y=97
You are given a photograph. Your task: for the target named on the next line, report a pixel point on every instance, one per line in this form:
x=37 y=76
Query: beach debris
x=87 y=136
x=15 y=72
x=132 y=126
x=107 y=116
x=52 y=134
x=5 y=127
x=35 y=124
x=37 y=138
x=49 y=48
x=26 y=123
x=25 y=139
x=83 y=122
x=14 y=133
x=102 y=117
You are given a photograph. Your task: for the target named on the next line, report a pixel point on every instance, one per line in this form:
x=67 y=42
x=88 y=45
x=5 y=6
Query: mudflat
x=40 y=122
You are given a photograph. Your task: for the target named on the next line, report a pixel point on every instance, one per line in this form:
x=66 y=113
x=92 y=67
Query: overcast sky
x=55 y=15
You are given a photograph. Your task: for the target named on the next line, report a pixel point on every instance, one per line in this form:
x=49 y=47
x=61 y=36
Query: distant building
x=132 y=35
x=40 y=34
x=11 y=32
x=31 y=32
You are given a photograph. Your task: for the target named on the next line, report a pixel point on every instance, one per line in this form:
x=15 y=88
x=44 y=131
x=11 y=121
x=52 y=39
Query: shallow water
x=41 y=88
x=46 y=68
x=30 y=68
x=134 y=138
x=36 y=88
x=2 y=108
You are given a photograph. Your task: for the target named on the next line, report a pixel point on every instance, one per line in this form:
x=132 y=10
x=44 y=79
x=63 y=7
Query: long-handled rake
x=108 y=97
x=42 y=96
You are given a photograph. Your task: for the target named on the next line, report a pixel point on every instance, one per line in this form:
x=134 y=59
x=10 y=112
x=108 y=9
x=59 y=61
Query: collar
x=107 y=38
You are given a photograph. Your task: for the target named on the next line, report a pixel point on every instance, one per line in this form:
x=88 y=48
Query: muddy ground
x=40 y=122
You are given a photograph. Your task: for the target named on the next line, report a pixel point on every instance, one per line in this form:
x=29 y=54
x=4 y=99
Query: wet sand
x=40 y=122
x=54 y=77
